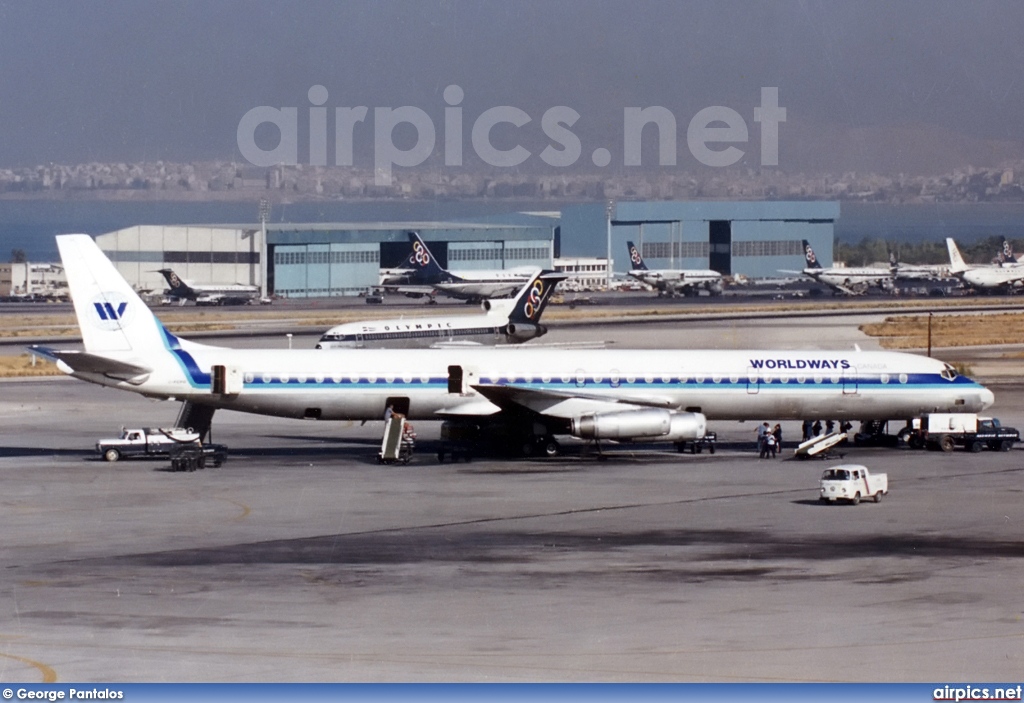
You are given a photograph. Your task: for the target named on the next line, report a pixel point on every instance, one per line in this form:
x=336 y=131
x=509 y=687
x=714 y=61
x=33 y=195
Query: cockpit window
x=949 y=373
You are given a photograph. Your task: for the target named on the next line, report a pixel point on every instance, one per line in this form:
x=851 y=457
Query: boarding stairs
x=820 y=445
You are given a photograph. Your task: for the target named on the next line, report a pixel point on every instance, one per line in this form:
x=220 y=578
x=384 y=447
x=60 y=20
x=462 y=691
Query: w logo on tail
x=107 y=311
x=112 y=311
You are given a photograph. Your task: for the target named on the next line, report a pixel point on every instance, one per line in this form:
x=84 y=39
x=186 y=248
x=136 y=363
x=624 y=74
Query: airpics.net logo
x=711 y=134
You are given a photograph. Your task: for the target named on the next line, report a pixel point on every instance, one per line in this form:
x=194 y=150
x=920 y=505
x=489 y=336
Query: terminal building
x=299 y=260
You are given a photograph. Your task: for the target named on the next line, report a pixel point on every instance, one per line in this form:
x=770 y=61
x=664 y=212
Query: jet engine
x=652 y=423
x=525 y=331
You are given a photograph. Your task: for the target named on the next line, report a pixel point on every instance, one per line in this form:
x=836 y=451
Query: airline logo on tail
x=427 y=270
x=178 y=287
x=1008 y=256
x=112 y=311
x=532 y=306
x=535 y=295
x=420 y=255
x=809 y=257
x=634 y=256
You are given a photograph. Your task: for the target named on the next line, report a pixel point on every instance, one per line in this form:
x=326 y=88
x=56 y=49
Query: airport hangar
x=306 y=260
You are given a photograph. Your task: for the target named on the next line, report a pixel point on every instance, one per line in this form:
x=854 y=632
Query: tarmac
x=302 y=559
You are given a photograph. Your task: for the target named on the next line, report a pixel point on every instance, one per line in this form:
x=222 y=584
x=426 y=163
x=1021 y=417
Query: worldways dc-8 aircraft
x=523 y=394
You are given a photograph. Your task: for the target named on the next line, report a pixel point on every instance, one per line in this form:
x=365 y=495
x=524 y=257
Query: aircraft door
x=850 y=381
x=455 y=379
x=753 y=380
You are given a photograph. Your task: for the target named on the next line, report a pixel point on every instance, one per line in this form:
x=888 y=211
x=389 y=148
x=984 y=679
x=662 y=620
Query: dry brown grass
x=12 y=366
x=955 y=330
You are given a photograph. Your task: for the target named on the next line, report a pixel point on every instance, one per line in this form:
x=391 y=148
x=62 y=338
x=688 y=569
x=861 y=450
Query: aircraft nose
x=987 y=398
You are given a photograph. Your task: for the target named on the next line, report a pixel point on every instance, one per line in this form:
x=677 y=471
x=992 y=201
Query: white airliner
x=506 y=321
x=849 y=281
x=426 y=277
x=210 y=294
x=1008 y=275
x=674 y=281
x=523 y=393
x=917 y=272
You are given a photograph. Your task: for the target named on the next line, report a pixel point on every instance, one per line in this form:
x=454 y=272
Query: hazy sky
x=862 y=82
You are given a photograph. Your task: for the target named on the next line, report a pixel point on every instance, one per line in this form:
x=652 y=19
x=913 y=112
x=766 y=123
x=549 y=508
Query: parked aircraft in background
x=917 y=272
x=1004 y=276
x=849 y=281
x=505 y=321
x=428 y=278
x=211 y=294
x=674 y=281
x=524 y=394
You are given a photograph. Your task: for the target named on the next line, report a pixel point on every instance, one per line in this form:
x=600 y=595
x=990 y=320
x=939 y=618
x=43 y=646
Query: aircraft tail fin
x=1008 y=256
x=956 y=261
x=534 y=296
x=635 y=258
x=425 y=268
x=809 y=257
x=111 y=315
x=179 y=288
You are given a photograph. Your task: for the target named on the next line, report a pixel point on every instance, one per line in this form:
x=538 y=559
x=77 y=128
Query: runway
x=302 y=559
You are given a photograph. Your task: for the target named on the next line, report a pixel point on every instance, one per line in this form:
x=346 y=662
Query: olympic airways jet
x=505 y=321
x=426 y=277
x=849 y=281
x=674 y=281
x=210 y=294
x=528 y=395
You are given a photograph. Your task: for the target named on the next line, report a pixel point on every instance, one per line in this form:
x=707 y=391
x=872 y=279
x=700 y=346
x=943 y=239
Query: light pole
x=609 y=209
x=264 y=216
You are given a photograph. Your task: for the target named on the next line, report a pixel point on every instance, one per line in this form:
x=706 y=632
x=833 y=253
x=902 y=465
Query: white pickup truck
x=852 y=482
x=146 y=441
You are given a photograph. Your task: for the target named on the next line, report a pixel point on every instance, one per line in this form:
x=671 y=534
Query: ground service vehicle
x=158 y=442
x=946 y=431
x=852 y=482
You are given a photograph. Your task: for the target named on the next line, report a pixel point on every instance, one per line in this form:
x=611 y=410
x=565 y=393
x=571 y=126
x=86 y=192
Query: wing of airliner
x=564 y=404
x=84 y=362
x=471 y=290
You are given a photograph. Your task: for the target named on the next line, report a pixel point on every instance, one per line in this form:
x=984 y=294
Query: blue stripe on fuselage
x=196 y=377
x=200 y=379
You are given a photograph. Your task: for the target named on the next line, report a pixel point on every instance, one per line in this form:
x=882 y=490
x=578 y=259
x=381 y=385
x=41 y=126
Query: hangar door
x=720 y=250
